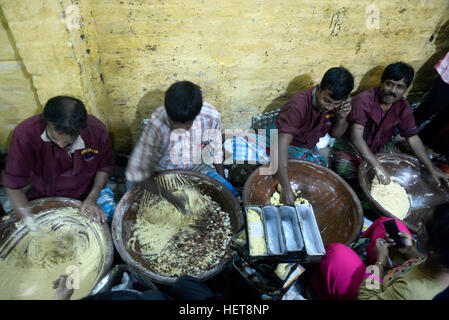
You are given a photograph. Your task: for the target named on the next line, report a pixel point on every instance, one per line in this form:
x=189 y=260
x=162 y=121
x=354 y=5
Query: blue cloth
x=227 y=184
x=249 y=149
x=106 y=203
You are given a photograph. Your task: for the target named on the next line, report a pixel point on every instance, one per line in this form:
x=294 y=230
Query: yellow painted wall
x=17 y=95
x=248 y=56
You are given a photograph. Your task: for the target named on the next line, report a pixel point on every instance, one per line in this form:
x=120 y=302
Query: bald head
x=67 y=115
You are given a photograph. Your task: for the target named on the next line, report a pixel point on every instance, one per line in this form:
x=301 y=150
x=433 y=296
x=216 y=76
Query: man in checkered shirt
x=184 y=134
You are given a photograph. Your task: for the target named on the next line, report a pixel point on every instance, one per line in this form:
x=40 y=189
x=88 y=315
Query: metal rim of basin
x=41 y=204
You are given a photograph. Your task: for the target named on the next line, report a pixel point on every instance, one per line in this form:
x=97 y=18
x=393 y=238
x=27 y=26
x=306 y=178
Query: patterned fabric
x=311 y=155
x=346 y=159
x=160 y=148
x=248 y=147
x=442 y=67
x=106 y=203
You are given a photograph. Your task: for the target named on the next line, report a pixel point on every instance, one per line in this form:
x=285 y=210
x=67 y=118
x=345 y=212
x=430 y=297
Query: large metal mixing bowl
x=337 y=209
x=424 y=194
x=125 y=218
x=45 y=207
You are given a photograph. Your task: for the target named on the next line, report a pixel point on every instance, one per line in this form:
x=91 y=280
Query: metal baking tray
x=273 y=231
x=312 y=238
x=291 y=228
x=291 y=234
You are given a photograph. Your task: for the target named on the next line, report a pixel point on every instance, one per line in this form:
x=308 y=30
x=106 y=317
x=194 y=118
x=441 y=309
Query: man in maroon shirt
x=307 y=117
x=62 y=152
x=375 y=114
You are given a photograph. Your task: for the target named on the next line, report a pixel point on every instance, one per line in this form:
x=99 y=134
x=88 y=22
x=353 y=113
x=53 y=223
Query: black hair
x=339 y=81
x=397 y=71
x=437 y=228
x=183 y=101
x=68 y=115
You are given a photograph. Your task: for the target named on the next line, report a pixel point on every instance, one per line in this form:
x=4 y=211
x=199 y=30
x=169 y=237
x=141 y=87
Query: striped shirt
x=161 y=148
x=442 y=68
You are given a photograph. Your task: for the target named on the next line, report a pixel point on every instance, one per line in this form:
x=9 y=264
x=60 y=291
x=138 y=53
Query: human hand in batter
x=179 y=202
x=90 y=209
x=344 y=108
x=287 y=196
x=382 y=174
x=62 y=288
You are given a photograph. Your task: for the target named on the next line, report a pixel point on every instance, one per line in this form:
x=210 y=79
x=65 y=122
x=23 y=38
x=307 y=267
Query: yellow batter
x=69 y=245
x=160 y=228
x=392 y=197
x=275 y=199
x=256 y=234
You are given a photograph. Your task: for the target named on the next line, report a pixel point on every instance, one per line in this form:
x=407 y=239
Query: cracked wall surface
x=119 y=56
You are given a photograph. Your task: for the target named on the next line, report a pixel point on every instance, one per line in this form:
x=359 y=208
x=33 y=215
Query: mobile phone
x=392 y=228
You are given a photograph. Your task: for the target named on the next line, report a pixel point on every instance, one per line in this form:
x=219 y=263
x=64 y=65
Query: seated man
x=180 y=135
x=376 y=112
x=307 y=117
x=61 y=152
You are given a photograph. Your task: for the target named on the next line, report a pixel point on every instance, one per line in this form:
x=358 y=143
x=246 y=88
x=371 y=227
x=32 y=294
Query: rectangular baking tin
x=310 y=231
x=273 y=231
x=290 y=226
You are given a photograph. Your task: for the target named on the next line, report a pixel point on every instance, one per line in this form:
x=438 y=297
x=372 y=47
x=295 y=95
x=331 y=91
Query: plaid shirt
x=160 y=148
x=442 y=68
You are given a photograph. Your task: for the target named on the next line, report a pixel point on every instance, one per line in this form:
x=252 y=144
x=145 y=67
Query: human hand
x=90 y=209
x=406 y=239
x=381 y=250
x=30 y=222
x=382 y=174
x=344 y=108
x=438 y=174
x=62 y=290
x=179 y=202
x=287 y=196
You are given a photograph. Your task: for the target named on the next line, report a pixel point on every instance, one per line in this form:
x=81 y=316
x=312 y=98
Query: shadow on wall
x=371 y=79
x=299 y=83
x=426 y=75
x=305 y=82
x=149 y=102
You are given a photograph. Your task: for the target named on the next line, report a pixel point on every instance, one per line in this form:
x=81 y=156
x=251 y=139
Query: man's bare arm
x=288 y=197
x=367 y=154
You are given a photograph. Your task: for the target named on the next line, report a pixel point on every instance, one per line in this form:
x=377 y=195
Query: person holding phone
x=375 y=115
x=404 y=273
x=307 y=117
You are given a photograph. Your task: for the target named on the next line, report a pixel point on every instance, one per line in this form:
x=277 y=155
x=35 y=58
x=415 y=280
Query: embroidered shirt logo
x=89 y=150
x=88 y=154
